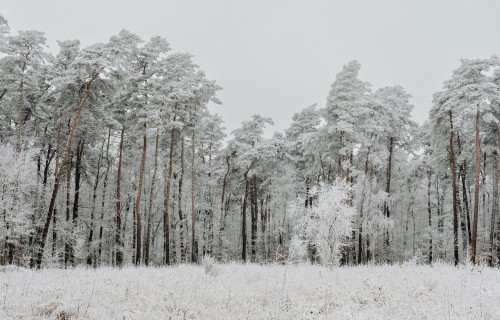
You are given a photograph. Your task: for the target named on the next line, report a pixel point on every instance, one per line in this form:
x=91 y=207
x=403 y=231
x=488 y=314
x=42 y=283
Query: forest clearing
x=251 y=291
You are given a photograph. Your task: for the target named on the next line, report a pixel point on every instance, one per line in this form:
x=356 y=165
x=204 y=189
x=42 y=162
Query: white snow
x=236 y=291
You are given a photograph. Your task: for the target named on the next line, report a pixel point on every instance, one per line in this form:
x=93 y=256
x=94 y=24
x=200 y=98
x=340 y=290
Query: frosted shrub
x=18 y=185
x=211 y=267
x=326 y=226
x=297 y=249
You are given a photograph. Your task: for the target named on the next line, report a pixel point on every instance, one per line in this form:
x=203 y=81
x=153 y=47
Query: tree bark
x=91 y=253
x=463 y=175
x=476 y=190
x=118 y=242
x=76 y=197
x=454 y=192
x=429 y=211
x=138 y=200
x=494 y=210
x=244 y=213
x=182 y=219
x=67 y=245
x=222 y=211
x=103 y=201
x=194 y=245
x=166 y=226
x=361 y=207
x=388 y=178
x=150 y=209
x=254 y=217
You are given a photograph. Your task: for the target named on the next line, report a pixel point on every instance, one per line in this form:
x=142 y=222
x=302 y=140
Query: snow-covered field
x=236 y=291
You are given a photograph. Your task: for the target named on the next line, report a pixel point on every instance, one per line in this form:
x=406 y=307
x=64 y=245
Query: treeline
x=109 y=156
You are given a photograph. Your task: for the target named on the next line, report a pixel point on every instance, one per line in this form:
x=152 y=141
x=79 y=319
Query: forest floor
x=236 y=291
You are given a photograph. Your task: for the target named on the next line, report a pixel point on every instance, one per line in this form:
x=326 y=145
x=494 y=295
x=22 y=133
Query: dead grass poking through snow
x=236 y=291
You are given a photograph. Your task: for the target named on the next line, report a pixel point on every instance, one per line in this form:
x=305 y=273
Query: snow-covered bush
x=210 y=265
x=18 y=184
x=326 y=226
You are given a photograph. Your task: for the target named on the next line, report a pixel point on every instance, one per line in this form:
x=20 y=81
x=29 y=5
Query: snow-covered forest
x=111 y=157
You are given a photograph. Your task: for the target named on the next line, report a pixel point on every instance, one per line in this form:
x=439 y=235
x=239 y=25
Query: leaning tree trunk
x=138 y=200
x=454 y=192
x=476 y=191
x=118 y=242
x=67 y=149
x=150 y=209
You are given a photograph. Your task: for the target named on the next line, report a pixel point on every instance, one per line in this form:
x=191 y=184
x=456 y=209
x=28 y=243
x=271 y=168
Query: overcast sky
x=277 y=57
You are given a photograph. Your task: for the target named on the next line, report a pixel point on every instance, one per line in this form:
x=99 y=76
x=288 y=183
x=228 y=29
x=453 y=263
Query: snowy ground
x=238 y=291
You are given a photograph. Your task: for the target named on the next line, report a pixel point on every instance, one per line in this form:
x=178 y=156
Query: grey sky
x=277 y=57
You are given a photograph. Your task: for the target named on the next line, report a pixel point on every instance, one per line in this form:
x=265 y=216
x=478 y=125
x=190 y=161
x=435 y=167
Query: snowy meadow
x=251 y=291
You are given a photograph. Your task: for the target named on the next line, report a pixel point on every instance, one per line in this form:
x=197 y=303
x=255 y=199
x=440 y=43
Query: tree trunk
x=244 y=214
x=263 y=221
x=138 y=200
x=361 y=205
x=388 y=178
x=454 y=192
x=104 y=186
x=194 y=245
x=463 y=224
x=494 y=210
x=67 y=245
x=463 y=175
x=76 y=199
x=222 y=211
x=182 y=219
x=484 y=208
x=387 y=213
x=118 y=242
x=210 y=201
x=166 y=226
x=150 y=209
x=308 y=201
x=429 y=175
x=254 y=217
x=476 y=190
x=91 y=253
